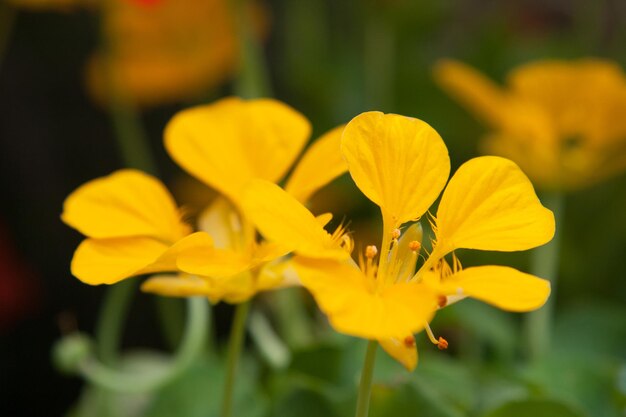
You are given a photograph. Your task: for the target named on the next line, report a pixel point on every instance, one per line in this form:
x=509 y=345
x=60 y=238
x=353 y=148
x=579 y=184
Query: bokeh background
x=331 y=60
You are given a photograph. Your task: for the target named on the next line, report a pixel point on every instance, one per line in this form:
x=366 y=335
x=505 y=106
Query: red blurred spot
x=19 y=287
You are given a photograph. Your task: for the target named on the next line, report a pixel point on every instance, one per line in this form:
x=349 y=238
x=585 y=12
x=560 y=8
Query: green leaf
x=198 y=392
x=304 y=403
x=534 y=408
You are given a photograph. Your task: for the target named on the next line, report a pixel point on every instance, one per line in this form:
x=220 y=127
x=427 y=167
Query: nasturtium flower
x=560 y=121
x=167 y=50
x=402 y=165
x=133 y=227
x=226 y=145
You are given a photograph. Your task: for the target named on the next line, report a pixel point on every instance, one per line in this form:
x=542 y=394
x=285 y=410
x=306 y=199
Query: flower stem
x=191 y=345
x=365 y=387
x=110 y=320
x=545 y=264
x=235 y=345
x=253 y=79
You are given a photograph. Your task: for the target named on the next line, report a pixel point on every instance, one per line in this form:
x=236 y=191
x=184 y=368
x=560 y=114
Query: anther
x=409 y=341
x=442 y=301
x=371 y=251
x=443 y=343
x=414 y=245
x=395 y=234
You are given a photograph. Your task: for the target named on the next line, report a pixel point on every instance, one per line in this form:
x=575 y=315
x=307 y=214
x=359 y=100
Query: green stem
x=191 y=346
x=109 y=326
x=252 y=80
x=235 y=345
x=545 y=264
x=171 y=315
x=365 y=387
x=292 y=317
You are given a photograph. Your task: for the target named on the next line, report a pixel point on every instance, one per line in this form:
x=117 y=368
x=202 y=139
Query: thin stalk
x=235 y=345
x=171 y=315
x=190 y=347
x=545 y=264
x=292 y=317
x=110 y=321
x=252 y=79
x=365 y=387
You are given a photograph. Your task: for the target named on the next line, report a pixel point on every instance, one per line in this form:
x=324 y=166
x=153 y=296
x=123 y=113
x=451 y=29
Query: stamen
x=409 y=341
x=415 y=246
x=371 y=251
x=441 y=342
x=347 y=243
x=442 y=301
x=395 y=234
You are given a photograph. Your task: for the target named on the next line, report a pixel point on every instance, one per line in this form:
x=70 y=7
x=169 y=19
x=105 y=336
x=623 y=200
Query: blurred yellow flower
x=170 y=50
x=133 y=227
x=226 y=145
x=561 y=121
x=402 y=165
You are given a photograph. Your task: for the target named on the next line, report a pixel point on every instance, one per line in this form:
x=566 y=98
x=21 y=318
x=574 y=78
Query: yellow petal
x=473 y=90
x=501 y=286
x=228 y=143
x=354 y=308
x=402 y=350
x=284 y=220
x=176 y=285
x=107 y=261
x=324 y=218
x=200 y=257
x=125 y=203
x=398 y=162
x=235 y=289
x=267 y=251
x=222 y=222
x=408 y=257
x=321 y=164
x=490 y=204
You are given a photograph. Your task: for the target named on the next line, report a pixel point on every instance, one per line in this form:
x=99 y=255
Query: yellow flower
x=559 y=120
x=133 y=227
x=402 y=165
x=167 y=51
x=226 y=145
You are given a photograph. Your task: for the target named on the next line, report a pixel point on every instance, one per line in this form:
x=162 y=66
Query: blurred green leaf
x=198 y=392
x=304 y=403
x=534 y=408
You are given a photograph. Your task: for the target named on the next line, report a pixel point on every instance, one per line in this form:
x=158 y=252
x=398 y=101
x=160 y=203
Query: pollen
x=409 y=342
x=442 y=343
x=414 y=245
x=395 y=234
x=371 y=251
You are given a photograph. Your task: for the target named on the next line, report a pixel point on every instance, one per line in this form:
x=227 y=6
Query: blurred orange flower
x=171 y=50
x=561 y=121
